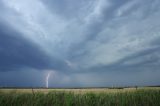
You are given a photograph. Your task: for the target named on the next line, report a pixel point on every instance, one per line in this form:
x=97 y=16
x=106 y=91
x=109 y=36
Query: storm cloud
x=84 y=43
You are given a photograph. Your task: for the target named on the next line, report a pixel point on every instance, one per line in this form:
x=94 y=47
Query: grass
x=84 y=97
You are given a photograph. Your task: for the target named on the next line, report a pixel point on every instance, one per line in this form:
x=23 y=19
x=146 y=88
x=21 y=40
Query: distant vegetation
x=140 y=97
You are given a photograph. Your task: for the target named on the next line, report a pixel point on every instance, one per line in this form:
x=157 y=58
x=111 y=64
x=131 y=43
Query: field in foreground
x=80 y=97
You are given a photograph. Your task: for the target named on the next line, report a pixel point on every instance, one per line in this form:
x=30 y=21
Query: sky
x=79 y=43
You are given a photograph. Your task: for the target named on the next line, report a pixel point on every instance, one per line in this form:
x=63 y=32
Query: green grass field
x=80 y=97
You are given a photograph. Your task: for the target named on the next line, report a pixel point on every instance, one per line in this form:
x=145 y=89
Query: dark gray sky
x=79 y=42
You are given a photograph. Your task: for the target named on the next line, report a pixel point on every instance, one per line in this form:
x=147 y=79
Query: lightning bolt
x=47 y=78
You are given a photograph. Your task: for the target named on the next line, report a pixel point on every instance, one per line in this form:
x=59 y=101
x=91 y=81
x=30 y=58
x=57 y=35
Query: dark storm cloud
x=17 y=52
x=81 y=41
x=144 y=60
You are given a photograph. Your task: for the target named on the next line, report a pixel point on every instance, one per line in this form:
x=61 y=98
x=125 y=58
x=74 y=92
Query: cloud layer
x=86 y=43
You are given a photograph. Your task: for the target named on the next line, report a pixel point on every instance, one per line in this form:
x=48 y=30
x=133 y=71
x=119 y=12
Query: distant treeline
x=114 y=87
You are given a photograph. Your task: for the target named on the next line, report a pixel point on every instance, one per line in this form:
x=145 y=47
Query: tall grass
x=55 y=98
